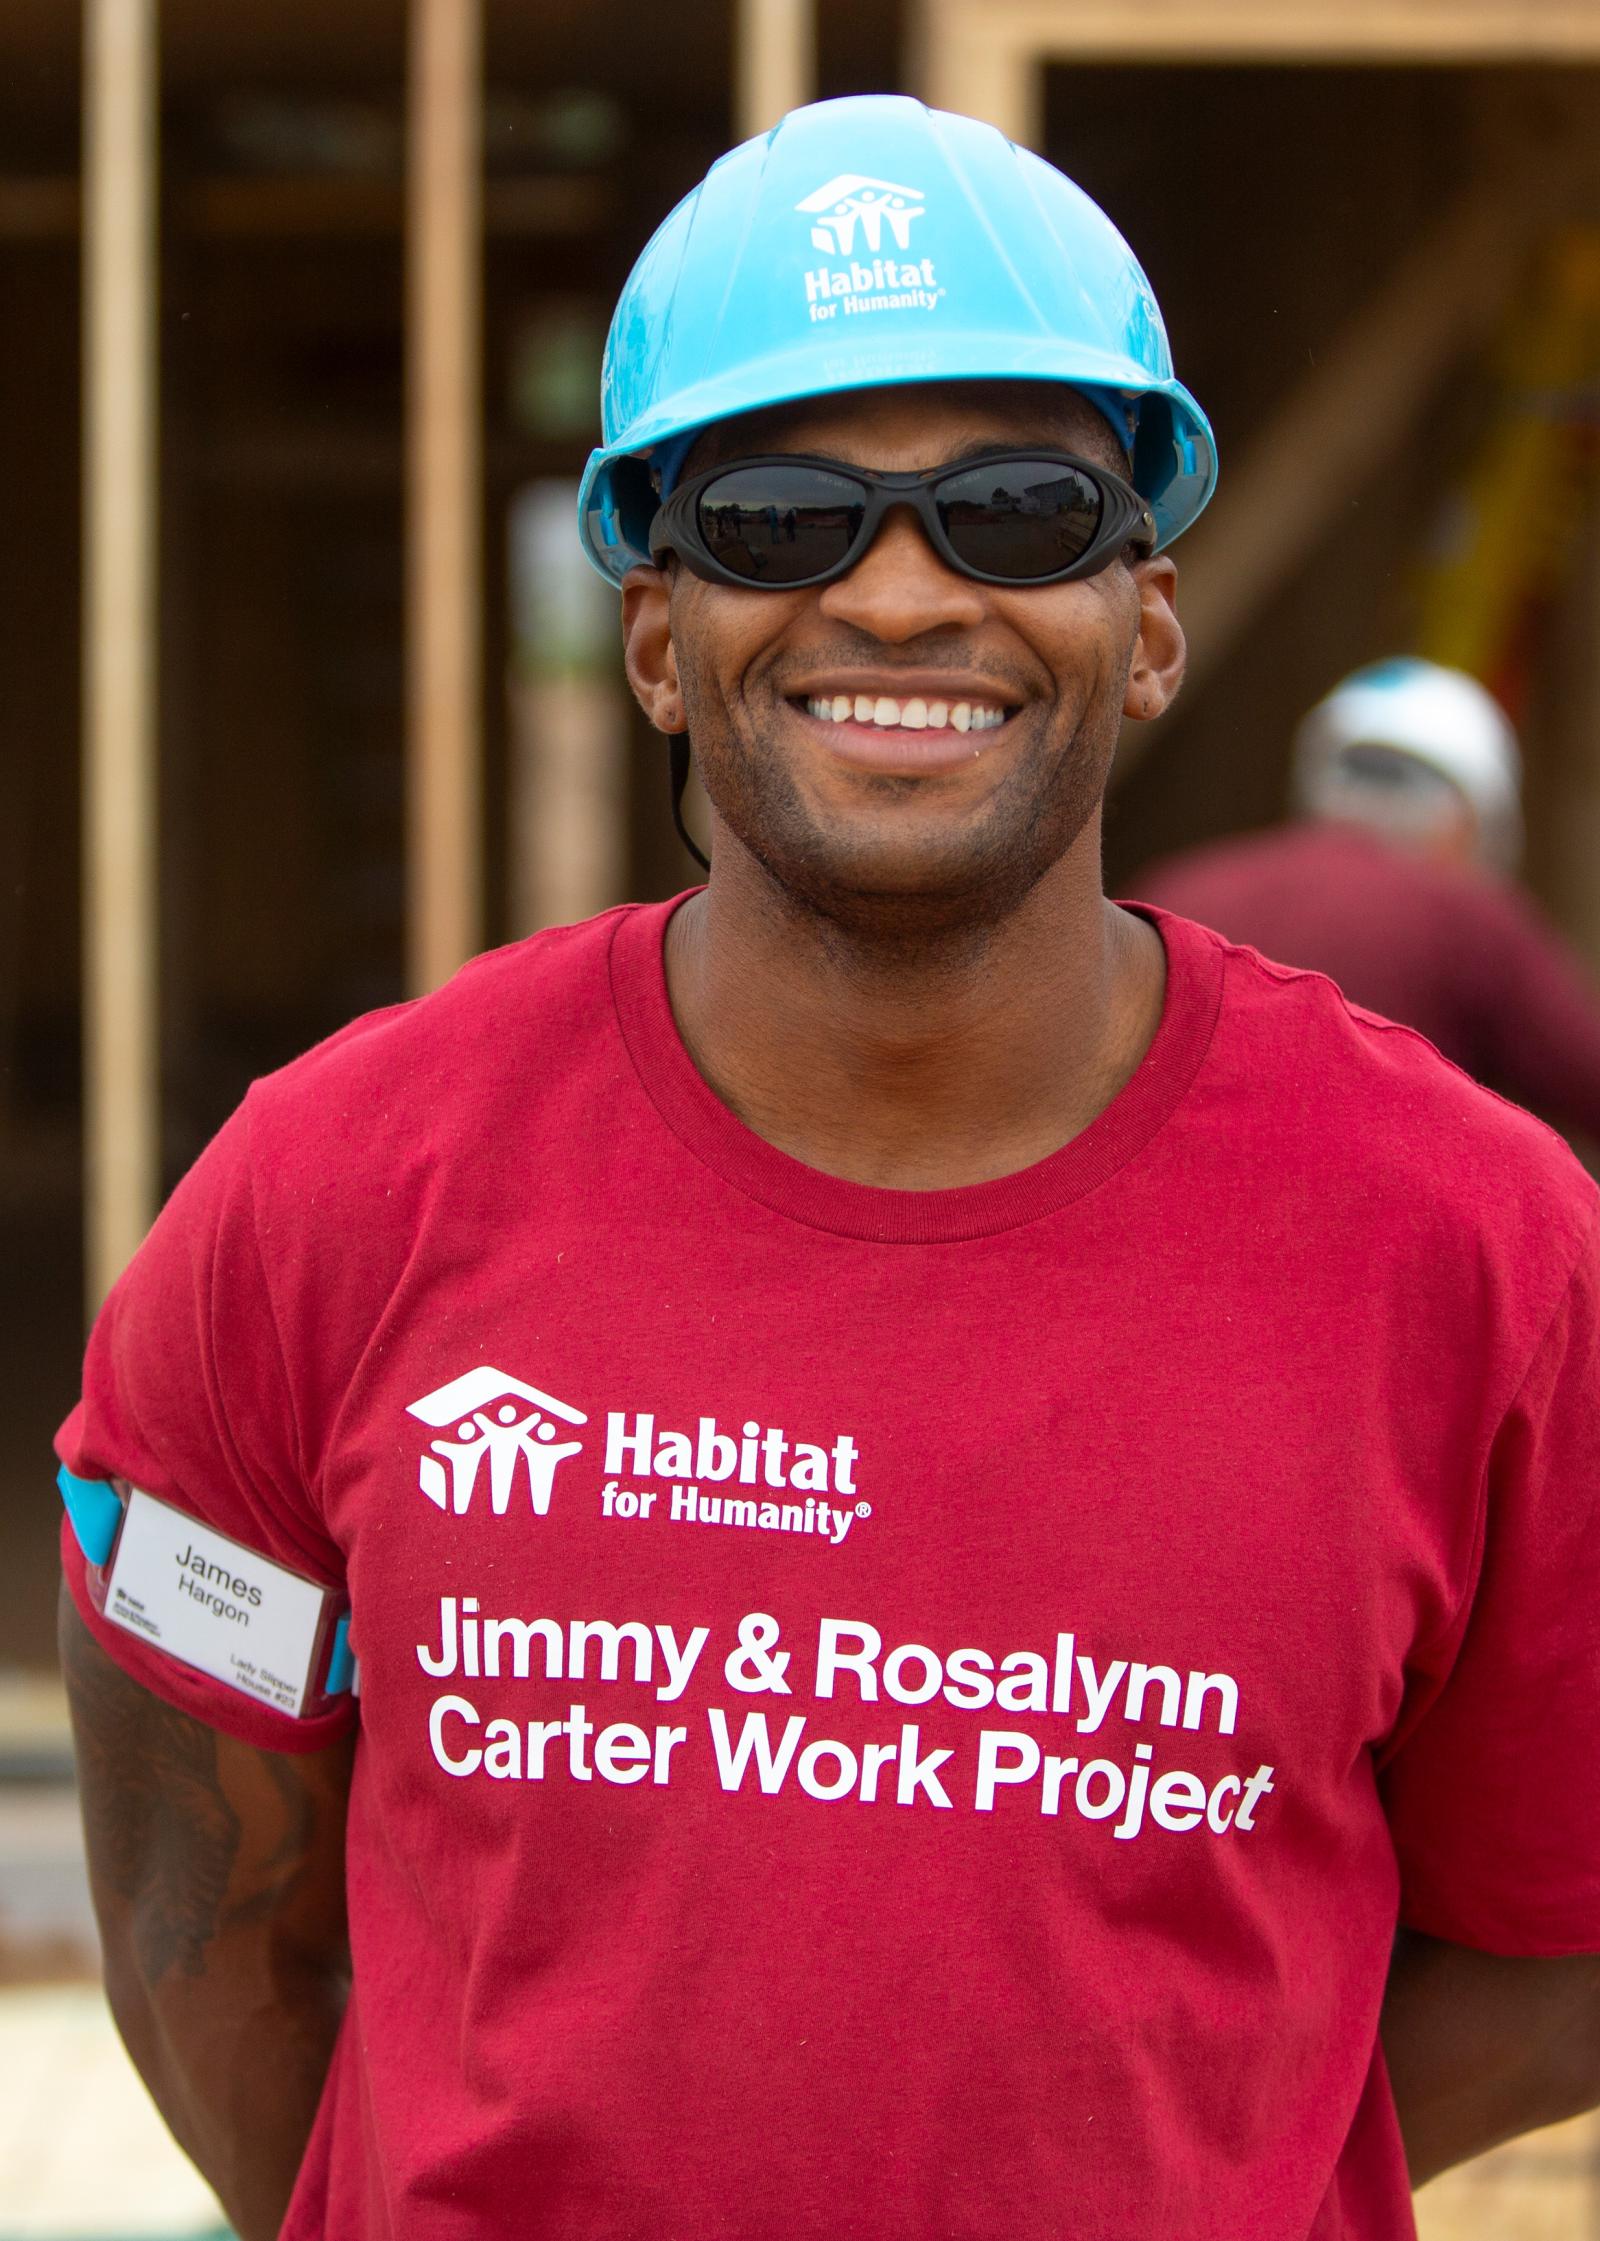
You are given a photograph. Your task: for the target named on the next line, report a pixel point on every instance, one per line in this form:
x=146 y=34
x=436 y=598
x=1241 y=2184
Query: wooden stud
x=568 y=799
x=122 y=1108
x=775 y=62
x=444 y=449
x=973 y=60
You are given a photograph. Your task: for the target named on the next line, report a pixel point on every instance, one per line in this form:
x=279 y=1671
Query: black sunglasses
x=783 y=522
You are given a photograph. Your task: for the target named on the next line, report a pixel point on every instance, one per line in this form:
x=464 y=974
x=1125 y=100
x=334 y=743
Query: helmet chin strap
x=678 y=775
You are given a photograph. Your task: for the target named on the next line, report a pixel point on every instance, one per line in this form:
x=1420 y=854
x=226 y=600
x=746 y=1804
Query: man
x=1394 y=883
x=1084 y=1520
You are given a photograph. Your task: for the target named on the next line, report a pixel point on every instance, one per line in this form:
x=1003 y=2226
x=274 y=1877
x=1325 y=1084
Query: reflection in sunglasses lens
x=779 y=525
x=1020 y=519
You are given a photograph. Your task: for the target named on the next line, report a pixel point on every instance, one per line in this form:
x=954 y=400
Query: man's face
x=861 y=817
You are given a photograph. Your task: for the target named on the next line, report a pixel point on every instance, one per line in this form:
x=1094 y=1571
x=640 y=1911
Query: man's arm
x=1480 y=2048
x=218 y=1879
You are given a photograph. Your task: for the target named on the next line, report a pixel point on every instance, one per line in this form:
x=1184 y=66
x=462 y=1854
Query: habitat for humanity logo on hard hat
x=489 y=1413
x=851 y=213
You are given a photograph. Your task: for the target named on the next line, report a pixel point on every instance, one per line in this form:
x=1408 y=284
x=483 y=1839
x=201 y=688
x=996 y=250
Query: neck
x=915 y=1060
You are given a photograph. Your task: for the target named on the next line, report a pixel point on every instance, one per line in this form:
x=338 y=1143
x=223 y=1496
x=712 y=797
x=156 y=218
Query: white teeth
x=905 y=715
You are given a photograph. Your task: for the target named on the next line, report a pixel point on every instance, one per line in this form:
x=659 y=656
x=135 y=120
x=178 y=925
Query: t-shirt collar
x=715 y=1135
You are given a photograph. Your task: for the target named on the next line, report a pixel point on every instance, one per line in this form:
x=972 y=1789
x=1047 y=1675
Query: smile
x=905 y=715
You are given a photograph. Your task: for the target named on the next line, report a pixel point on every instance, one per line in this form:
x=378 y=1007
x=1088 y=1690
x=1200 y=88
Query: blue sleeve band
x=341 y=1665
x=95 y=1512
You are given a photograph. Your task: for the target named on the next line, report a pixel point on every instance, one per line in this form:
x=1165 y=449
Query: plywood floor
x=1542 y=2188
x=82 y=2152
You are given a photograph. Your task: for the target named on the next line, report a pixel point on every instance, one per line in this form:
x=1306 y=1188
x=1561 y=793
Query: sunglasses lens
x=1022 y=519
x=779 y=525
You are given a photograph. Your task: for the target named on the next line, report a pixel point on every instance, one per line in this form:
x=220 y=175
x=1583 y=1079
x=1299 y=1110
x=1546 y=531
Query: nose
x=900 y=588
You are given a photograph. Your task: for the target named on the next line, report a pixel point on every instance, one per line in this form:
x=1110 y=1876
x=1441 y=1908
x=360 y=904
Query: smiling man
x=1043 y=1679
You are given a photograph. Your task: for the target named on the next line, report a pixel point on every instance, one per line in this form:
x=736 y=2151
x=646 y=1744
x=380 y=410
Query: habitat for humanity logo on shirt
x=860 y=220
x=492 y=1414
x=493 y=1426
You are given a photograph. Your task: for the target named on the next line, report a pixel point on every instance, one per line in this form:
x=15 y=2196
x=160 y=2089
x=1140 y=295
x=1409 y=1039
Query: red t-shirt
x=890 y=1713
x=1465 y=959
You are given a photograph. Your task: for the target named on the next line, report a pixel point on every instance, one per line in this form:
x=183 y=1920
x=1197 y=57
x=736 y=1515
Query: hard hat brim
x=1174 y=461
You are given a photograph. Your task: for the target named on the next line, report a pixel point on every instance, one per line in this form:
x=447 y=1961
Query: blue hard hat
x=790 y=272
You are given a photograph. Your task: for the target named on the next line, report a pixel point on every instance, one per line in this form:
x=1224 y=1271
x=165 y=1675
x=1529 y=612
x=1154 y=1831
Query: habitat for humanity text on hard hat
x=874 y=241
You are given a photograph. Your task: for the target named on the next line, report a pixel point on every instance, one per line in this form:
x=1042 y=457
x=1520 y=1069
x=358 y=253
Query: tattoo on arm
x=197 y=1841
x=281 y=1872
x=160 y=1829
x=218 y=1876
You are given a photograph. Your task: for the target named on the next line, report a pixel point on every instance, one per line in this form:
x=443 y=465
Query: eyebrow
x=992 y=446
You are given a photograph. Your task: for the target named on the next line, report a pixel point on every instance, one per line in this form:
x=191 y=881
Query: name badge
x=216 y=1605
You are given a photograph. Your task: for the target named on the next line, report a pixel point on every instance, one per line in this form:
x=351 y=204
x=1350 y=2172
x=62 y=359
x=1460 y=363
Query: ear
x=1160 y=650
x=647 y=649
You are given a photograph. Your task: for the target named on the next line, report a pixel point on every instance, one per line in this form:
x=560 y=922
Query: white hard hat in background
x=1442 y=717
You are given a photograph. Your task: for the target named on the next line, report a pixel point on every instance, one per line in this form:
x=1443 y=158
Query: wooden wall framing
x=444 y=483
x=986 y=57
x=774 y=62
x=121 y=1026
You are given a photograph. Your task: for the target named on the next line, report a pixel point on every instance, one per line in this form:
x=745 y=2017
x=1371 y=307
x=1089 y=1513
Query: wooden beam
x=973 y=60
x=444 y=439
x=774 y=62
x=567 y=825
x=970 y=47
x=1349 y=414
x=569 y=806
x=122 y=1115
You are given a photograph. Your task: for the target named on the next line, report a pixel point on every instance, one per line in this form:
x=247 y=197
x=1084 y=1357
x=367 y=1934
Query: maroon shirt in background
x=1467 y=961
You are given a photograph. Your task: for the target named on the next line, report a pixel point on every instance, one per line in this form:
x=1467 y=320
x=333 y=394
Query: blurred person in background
x=1396 y=881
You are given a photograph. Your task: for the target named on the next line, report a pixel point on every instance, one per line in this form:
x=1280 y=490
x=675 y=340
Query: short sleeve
x=1494 y=1798
x=1535 y=1011
x=186 y=1394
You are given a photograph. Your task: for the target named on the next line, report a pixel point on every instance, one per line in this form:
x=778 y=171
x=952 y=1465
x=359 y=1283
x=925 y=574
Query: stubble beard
x=931 y=902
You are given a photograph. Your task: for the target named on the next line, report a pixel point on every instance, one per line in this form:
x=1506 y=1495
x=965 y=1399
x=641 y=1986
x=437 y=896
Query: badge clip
x=209 y=1601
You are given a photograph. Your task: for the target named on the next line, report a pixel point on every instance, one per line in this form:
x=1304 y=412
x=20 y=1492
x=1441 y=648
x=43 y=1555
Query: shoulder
x=520 y=1016
x=1372 y=1133
x=304 y=1214
x=442 y=1098
x=1370 y=1091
